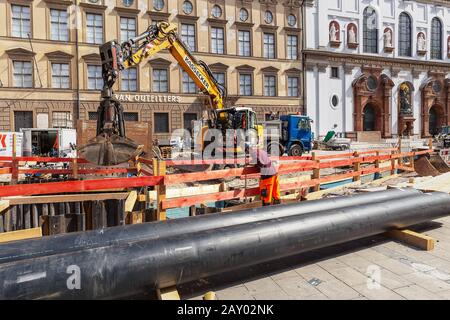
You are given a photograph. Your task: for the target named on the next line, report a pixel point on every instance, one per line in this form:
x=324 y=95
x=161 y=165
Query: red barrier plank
x=209 y=175
x=189 y=201
x=43 y=159
x=77 y=186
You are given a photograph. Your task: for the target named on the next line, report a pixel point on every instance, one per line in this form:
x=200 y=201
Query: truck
x=52 y=142
x=289 y=134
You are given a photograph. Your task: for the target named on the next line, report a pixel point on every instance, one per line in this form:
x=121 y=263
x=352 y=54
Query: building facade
x=386 y=64
x=51 y=74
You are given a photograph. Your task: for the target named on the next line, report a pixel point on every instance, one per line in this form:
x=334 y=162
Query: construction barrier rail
x=150 y=181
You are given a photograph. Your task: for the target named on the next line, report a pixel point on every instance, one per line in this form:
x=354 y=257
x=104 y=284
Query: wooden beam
x=66 y=198
x=168 y=294
x=20 y=235
x=131 y=201
x=4 y=204
x=319 y=194
x=413 y=238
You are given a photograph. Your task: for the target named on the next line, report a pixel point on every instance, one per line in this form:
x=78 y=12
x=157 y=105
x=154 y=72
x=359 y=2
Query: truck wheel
x=275 y=147
x=296 y=150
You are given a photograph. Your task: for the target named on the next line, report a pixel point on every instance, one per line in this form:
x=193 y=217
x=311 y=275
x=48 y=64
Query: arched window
x=404 y=35
x=436 y=39
x=370 y=31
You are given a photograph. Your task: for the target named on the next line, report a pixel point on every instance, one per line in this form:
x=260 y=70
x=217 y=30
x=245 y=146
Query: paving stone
x=415 y=292
x=440 y=264
x=391 y=280
x=444 y=295
x=377 y=293
x=319 y=296
x=335 y=289
x=331 y=264
x=272 y=295
x=236 y=293
x=297 y=287
x=396 y=266
x=314 y=272
x=262 y=285
x=372 y=255
x=428 y=282
x=358 y=263
x=285 y=274
x=349 y=275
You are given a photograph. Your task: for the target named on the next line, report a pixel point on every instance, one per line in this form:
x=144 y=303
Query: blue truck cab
x=290 y=133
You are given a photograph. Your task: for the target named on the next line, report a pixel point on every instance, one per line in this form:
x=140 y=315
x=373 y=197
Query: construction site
x=232 y=209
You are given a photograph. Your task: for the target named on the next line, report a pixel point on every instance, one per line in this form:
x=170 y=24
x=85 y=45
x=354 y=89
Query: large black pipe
x=98 y=238
x=136 y=267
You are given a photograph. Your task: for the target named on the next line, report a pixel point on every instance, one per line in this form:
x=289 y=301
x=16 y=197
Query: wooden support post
x=430 y=143
x=75 y=168
x=168 y=294
x=316 y=172
x=159 y=169
x=400 y=160
x=411 y=161
x=392 y=163
x=413 y=238
x=15 y=163
x=21 y=234
x=357 y=167
x=53 y=225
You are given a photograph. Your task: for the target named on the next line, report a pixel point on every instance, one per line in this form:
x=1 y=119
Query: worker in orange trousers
x=269 y=185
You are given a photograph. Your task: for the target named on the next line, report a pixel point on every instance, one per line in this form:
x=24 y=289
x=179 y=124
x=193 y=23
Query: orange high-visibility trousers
x=270 y=190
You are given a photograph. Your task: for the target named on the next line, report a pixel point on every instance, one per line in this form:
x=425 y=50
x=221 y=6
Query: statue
x=333 y=32
x=448 y=46
x=421 y=42
x=352 y=34
x=405 y=99
x=388 y=38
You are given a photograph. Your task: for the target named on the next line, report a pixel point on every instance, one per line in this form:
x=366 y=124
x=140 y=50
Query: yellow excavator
x=111 y=146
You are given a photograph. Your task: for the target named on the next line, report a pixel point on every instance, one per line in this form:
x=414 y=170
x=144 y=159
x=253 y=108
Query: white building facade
x=377 y=68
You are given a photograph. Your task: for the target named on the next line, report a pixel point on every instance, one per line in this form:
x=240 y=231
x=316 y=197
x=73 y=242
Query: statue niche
x=352 y=35
x=335 y=34
x=405 y=110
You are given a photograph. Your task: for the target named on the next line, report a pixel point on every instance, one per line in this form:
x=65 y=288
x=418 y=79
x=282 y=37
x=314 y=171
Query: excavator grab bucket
x=106 y=150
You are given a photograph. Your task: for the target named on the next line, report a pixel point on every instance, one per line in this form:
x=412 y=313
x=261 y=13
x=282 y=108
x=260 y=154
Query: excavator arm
x=111 y=146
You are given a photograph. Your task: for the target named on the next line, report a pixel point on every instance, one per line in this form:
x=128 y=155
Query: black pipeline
x=111 y=236
x=137 y=266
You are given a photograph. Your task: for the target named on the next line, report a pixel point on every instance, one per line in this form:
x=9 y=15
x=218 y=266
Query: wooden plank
x=159 y=169
x=383 y=180
x=131 y=201
x=321 y=193
x=413 y=238
x=66 y=198
x=20 y=235
x=168 y=294
x=4 y=204
x=77 y=186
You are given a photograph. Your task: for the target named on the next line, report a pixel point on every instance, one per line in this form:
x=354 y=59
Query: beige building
x=50 y=72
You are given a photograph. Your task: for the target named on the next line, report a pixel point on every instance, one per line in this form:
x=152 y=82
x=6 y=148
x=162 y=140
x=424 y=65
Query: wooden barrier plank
x=131 y=201
x=66 y=198
x=20 y=235
x=4 y=204
x=78 y=186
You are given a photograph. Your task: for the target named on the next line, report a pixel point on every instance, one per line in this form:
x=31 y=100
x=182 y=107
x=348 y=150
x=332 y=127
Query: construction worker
x=269 y=184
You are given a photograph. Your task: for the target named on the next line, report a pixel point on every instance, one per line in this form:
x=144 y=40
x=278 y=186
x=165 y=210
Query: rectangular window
x=269 y=45
x=92 y=115
x=188 y=35
x=335 y=72
x=244 y=43
x=188 y=117
x=189 y=85
x=60 y=75
x=129 y=80
x=95 y=80
x=21 y=18
x=131 y=116
x=220 y=77
x=59 y=30
x=293 y=86
x=127 y=28
x=217 y=40
x=245 y=85
x=160 y=80
x=94 y=28
x=270 y=86
x=23 y=74
x=161 y=122
x=62 y=120
x=23 y=119
x=292 y=47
